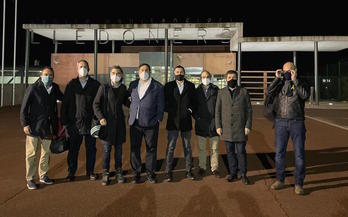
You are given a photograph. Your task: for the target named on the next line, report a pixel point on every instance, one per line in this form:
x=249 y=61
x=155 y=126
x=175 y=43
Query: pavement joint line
x=327 y=122
x=10 y=198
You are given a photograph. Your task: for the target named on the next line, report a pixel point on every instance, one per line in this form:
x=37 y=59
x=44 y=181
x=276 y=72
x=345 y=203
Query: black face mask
x=179 y=77
x=287 y=75
x=232 y=83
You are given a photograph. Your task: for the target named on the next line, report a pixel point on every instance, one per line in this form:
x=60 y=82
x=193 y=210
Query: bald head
x=289 y=66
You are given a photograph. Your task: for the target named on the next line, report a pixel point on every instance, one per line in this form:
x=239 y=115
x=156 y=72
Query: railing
x=256 y=82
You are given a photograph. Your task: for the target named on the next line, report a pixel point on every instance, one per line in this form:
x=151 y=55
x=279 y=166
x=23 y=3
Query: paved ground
x=326 y=182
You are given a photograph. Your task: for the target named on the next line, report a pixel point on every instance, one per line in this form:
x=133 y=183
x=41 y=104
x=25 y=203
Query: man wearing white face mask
x=206 y=94
x=145 y=113
x=77 y=114
x=39 y=120
x=107 y=107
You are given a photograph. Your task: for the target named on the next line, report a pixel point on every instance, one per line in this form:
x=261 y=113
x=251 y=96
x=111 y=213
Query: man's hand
x=103 y=122
x=219 y=131
x=247 y=131
x=27 y=130
x=65 y=128
x=278 y=73
x=293 y=75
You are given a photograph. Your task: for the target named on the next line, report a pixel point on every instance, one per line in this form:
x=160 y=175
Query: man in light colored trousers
x=206 y=94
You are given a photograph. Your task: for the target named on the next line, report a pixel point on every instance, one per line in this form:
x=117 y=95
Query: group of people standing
x=224 y=114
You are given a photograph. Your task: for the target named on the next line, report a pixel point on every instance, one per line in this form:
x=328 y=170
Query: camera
x=286 y=75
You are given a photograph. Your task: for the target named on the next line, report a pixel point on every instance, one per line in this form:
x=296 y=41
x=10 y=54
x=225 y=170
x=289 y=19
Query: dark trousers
x=232 y=159
x=117 y=156
x=296 y=130
x=172 y=138
x=150 y=135
x=75 y=143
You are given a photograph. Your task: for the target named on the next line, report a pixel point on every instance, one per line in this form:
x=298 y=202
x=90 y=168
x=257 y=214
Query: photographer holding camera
x=290 y=96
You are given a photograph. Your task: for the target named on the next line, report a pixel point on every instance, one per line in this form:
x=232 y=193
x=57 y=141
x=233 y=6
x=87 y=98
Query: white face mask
x=83 y=72
x=115 y=78
x=144 y=75
x=206 y=81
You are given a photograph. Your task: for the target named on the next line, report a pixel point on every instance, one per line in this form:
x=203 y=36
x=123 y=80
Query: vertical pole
x=3 y=52
x=294 y=56
x=96 y=54
x=171 y=57
x=113 y=46
x=14 y=57
x=316 y=79
x=239 y=61
x=26 y=58
x=166 y=55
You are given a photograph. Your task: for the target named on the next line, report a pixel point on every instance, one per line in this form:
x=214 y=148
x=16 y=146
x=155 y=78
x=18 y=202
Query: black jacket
x=205 y=111
x=39 y=109
x=77 y=107
x=290 y=98
x=177 y=106
x=116 y=125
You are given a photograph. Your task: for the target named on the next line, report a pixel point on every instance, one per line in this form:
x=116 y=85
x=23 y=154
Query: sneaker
x=136 y=179
x=151 y=178
x=201 y=172
x=299 y=190
x=31 y=185
x=169 y=177
x=46 y=180
x=92 y=176
x=105 y=179
x=277 y=185
x=189 y=175
x=216 y=173
x=119 y=177
x=231 y=178
x=245 y=180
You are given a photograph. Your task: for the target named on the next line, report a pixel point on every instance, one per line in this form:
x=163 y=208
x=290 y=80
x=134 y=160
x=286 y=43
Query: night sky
x=263 y=18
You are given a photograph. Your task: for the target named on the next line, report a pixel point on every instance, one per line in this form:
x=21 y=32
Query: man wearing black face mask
x=289 y=122
x=179 y=98
x=233 y=120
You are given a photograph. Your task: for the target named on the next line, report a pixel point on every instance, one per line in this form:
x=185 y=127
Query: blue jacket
x=151 y=106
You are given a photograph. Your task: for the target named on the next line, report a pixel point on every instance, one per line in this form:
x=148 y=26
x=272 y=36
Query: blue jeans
x=117 y=156
x=232 y=159
x=172 y=138
x=296 y=130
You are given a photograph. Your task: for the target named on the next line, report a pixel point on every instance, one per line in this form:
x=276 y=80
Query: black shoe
x=216 y=174
x=151 y=178
x=92 y=176
x=169 y=177
x=189 y=175
x=105 y=179
x=245 y=180
x=47 y=181
x=136 y=179
x=201 y=172
x=70 y=178
x=232 y=178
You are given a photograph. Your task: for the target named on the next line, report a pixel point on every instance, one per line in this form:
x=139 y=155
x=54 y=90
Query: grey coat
x=233 y=115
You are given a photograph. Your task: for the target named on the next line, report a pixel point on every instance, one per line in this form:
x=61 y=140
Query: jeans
x=296 y=130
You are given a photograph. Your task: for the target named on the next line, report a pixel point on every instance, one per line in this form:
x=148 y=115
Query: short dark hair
x=117 y=67
x=209 y=74
x=85 y=61
x=145 y=64
x=47 y=67
x=231 y=72
x=181 y=67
